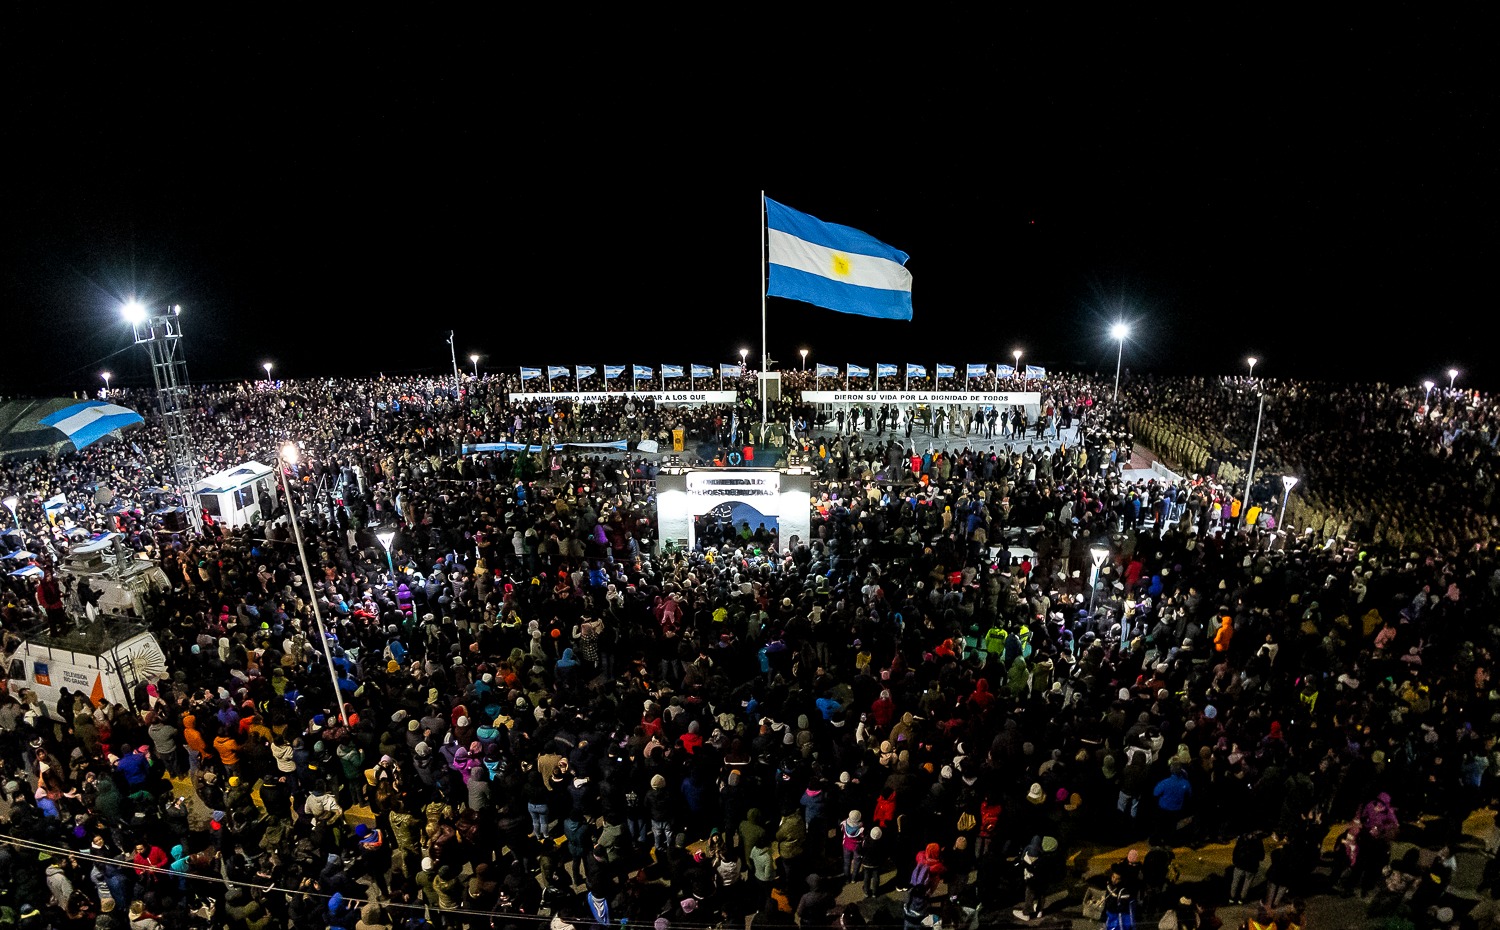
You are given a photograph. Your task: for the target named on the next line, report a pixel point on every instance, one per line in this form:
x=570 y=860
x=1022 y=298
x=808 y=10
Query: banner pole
x=763 y=354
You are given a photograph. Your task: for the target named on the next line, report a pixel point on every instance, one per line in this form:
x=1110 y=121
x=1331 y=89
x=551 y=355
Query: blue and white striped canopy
x=90 y=421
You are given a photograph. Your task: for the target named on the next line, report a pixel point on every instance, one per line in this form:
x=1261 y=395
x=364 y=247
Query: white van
x=99 y=663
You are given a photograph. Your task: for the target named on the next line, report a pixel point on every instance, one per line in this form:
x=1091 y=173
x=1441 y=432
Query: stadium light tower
x=161 y=333
x=475 y=360
x=804 y=359
x=288 y=456
x=1452 y=374
x=1252 y=360
x=1118 y=331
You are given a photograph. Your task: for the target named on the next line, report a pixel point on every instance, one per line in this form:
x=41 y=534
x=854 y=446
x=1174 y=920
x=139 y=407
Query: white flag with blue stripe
x=916 y=371
x=557 y=371
x=87 y=422
x=946 y=371
x=827 y=371
x=977 y=370
x=612 y=372
x=1005 y=371
x=730 y=371
x=1035 y=371
x=883 y=370
x=585 y=371
x=833 y=266
x=672 y=371
x=857 y=371
x=528 y=373
x=703 y=371
x=641 y=371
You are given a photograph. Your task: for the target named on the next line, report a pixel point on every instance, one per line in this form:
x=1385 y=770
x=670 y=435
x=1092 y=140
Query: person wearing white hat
x=852 y=840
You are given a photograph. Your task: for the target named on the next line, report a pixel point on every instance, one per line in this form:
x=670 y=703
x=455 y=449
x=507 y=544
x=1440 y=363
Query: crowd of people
x=535 y=710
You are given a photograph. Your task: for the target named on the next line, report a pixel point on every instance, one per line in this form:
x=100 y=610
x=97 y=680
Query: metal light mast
x=161 y=334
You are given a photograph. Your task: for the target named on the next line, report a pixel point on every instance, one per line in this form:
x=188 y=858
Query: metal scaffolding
x=161 y=334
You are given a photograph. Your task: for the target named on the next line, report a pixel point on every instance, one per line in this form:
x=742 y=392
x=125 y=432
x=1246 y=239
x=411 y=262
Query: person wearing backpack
x=852 y=839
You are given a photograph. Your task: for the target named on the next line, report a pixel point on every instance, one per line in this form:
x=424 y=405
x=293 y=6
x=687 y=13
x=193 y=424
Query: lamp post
x=106 y=376
x=1019 y=372
x=1119 y=331
x=804 y=359
x=1099 y=554
x=1452 y=374
x=475 y=360
x=1428 y=385
x=1252 y=360
x=11 y=504
x=1254 y=447
x=288 y=456
x=386 y=537
x=267 y=367
x=1287 y=483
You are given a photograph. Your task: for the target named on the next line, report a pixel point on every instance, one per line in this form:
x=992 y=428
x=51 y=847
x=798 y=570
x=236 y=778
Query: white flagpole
x=763 y=261
x=577 y=380
x=549 y=379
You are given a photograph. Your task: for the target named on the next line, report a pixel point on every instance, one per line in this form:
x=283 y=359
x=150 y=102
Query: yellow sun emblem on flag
x=841 y=266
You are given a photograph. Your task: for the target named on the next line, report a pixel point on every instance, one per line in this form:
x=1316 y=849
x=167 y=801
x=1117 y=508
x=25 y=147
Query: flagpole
x=577 y=380
x=763 y=259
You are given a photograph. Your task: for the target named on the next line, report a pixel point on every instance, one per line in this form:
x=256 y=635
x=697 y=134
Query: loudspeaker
x=174 y=520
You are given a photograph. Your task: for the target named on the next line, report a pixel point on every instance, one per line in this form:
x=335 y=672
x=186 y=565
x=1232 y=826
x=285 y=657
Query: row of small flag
x=646 y=372
x=637 y=372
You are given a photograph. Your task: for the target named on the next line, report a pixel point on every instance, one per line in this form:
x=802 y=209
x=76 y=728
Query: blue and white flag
x=883 y=370
x=703 y=371
x=585 y=371
x=90 y=421
x=672 y=371
x=557 y=371
x=834 y=266
x=916 y=371
x=1035 y=371
x=826 y=371
x=641 y=371
x=946 y=371
x=856 y=371
x=528 y=373
x=977 y=370
x=730 y=371
x=1005 y=371
x=612 y=372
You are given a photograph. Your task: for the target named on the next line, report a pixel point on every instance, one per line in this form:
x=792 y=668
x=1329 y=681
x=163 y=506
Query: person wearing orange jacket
x=1223 y=637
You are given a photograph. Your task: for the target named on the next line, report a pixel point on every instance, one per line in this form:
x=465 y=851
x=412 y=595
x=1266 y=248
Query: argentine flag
x=557 y=371
x=612 y=372
x=883 y=370
x=585 y=371
x=641 y=371
x=977 y=370
x=826 y=371
x=730 y=371
x=916 y=371
x=946 y=371
x=703 y=371
x=834 y=266
x=1035 y=371
x=1005 y=371
x=528 y=373
x=671 y=371
x=856 y=371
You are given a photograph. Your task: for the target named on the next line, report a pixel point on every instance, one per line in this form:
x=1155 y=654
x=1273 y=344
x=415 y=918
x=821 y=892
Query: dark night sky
x=334 y=197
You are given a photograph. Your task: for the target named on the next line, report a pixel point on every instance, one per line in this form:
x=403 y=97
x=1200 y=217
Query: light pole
x=267 y=367
x=1119 y=331
x=1428 y=385
x=106 y=376
x=1452 y=374
x=1254 y=447
x=11 y=503
x=1020 y=373
x=804 y=359
x=744 y=356
x=386 y=537
x=1099 y=554
x=288 y=456
x=475 y=360
x=1252 y=360
x=1287 y=483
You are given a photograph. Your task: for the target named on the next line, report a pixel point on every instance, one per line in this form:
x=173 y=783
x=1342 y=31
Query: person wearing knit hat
x=1036 y=795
